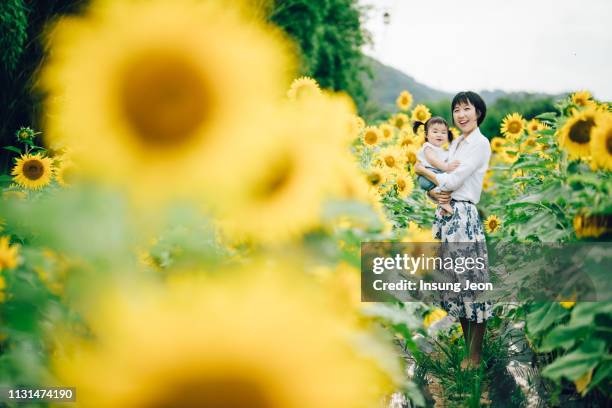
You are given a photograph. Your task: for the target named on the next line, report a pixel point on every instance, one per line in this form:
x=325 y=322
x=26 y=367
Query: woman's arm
x=479 y=154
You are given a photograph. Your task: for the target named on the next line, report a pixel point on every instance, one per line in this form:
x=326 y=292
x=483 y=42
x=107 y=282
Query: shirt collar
x=472 y=135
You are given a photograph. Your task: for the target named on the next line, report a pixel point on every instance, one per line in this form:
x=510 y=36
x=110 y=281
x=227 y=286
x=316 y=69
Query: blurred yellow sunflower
x=400 y=120
x=513 y=125
x=492 y=224
x=9 y=257
x=65 y=173
x=153 y=88
x=497 y=143
x=582 y=99
x=534 y=126
x=225 y=341
x=404 y=185
x=455 y=132
x=386 y=130
x=404 y=100
x=282 y=187
x=303 y=87
x=406 y=139
x=592 y=226
x=410 y=153
x=575 y=134
x=376 y=177
x=392 y=157
x=372 y=135
x=601 y=143
x=421 y=113
x=434 y=316
x=33 y=171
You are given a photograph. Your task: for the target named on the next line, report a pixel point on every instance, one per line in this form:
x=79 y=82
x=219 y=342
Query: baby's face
x=437 y=134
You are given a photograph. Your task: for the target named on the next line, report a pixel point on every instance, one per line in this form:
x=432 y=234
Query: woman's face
x=465 y=117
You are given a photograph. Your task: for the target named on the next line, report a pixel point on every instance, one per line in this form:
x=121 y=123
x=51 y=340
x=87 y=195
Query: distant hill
x=388 y=82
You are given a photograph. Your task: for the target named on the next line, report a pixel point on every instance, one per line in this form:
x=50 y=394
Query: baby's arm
x=431 y=157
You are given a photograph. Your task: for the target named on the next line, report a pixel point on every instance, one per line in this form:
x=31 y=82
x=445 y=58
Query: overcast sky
x=532 y=45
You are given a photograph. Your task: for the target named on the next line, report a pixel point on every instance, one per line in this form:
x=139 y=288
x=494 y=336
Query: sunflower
x=404 y=100
x=2 y=295
x=421 y=113
x=433 y=316
x=530 y=144
x=65 y=173
x=376 y=177
x=400 y=120
x=392 y=157
x=33 y=171
x=534 y=126
x=601 y=143
x=25 y=133
x=283 y=186
x=303 y=87
x=386 y=131
x=153 y=88
x=403 y=185
x=410 y=154
x=356 y=126
x=582 y=99
x=407 y=139
x=592 y=226
x=225 y=341
x=492 y=224
x=575 y=134
x=497 y=143
x=513 y=125
x=8 y=254
x=455 y=132
x=372 y=135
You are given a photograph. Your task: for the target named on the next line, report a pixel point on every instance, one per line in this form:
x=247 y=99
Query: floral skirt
x=464 y=226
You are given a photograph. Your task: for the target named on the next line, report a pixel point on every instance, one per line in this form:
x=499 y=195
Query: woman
x=462 y=188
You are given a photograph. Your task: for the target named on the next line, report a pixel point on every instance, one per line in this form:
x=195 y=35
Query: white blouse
x=440 y=153
x=465 y=181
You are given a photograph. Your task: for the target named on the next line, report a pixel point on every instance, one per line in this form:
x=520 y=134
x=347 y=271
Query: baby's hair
x=432 y=121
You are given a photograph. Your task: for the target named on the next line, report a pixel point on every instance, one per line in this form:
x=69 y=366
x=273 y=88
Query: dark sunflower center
x=580 y=132
x=401 y=185
x=212 y=392
x=374 y=179
x=492 y=224
x=514 y=127
x=609 y=142
x=370 y=137
x=390 y=161
x=421 y=116
x=164 y=98
x=275 y=179
x=33 y=169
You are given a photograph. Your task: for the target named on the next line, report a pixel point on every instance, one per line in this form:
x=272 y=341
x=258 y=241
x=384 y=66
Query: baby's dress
x=440 y=153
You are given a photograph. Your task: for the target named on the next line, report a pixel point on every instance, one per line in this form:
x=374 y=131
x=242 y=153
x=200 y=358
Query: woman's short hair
x=474 y=99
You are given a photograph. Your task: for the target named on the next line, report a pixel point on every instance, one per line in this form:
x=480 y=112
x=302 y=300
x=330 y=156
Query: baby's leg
x=446 y=207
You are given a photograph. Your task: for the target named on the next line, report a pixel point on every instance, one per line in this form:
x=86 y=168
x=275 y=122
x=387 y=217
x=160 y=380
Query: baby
x=432 y=155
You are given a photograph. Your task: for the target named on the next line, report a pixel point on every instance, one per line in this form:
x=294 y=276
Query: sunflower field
x=184 y=230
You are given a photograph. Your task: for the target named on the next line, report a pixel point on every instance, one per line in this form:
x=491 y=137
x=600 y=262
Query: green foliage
x=13 y=26
x=329 y=37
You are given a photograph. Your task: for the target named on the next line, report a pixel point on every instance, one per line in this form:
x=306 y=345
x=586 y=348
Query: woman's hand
x=442 y=197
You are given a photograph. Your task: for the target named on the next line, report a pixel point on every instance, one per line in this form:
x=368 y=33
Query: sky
x=551 y=46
